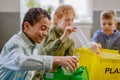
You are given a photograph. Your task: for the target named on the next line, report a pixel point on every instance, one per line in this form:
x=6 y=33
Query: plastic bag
x=80 y=74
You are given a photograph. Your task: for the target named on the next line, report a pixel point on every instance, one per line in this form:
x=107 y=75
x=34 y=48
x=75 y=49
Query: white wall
x=106 y=4
x=13 y=5
x=9 y=6
x=97 y=5
x=9 y=19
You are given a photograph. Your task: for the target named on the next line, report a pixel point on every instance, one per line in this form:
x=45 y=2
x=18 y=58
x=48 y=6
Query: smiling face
x=108 y=26
x=36 y=23
x=38 y=31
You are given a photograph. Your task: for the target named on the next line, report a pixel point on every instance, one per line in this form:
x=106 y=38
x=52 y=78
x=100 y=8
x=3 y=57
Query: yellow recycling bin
x=105 y=66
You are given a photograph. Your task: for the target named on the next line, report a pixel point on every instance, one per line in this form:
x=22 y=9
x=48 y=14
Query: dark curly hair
x=34 y=15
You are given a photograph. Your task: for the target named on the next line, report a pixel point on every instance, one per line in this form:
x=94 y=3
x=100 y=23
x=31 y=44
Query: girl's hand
x=67 y=32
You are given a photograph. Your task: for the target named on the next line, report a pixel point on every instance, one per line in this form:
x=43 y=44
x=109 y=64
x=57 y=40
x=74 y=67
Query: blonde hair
x=62 y=11
x=108 y=14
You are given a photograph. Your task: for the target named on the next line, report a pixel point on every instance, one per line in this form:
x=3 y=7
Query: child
x=57 y=42
x=109 y=36
x=19 y=55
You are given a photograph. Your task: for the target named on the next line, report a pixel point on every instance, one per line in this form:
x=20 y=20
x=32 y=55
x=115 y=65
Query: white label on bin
x=50 y=75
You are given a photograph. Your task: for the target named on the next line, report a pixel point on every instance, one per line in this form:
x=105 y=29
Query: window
x=82 y=8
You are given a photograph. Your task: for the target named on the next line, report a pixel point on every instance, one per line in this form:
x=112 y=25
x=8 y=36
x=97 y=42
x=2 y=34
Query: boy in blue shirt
x=109 y=36
x=19 y=56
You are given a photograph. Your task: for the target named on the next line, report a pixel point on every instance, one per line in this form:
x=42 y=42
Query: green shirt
x=52 y=45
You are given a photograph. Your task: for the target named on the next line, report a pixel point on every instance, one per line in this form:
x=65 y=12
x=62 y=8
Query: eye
x=103 y=23
x=110 y=24
x=43 y=27
x=68 y=20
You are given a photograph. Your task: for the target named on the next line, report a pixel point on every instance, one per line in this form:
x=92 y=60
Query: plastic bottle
x=82 y=38
x=67 y=71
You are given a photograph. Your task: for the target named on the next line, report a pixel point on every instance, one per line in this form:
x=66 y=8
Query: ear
x=56 y=20
x=26 y=26
x=116 y=24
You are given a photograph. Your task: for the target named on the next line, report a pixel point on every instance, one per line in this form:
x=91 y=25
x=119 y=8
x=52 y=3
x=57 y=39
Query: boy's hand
x=67 y=61
x=95 y=47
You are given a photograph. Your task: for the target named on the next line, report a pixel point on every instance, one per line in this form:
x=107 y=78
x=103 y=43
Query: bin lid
x=109 y=56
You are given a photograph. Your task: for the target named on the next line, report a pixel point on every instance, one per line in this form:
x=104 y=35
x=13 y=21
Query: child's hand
x=67 y=61
x=67 y=32
x=95 y=47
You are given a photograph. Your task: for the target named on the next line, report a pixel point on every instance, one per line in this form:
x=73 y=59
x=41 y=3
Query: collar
x=58 y=31
x=115 y=32
x=26 y=39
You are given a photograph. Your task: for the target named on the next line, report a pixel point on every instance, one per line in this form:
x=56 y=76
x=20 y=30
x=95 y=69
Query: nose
x=106 y=26
x=70 y=22
x=45 y=33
